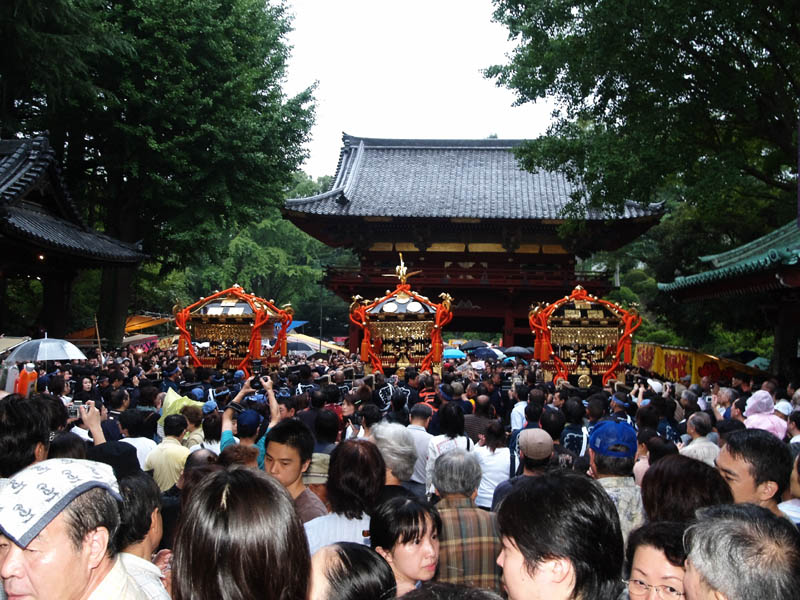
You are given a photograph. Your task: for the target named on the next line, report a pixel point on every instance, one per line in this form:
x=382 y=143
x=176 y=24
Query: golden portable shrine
x=402 y=329
x=232 y=323
x=582 y=338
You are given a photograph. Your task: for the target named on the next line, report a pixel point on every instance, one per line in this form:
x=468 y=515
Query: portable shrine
x=582 y=338
x=228 y=328
x=402 y=329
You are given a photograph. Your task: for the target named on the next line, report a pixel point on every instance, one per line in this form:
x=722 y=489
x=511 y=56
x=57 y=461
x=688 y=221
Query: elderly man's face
x=50 y=567
x=693 y=585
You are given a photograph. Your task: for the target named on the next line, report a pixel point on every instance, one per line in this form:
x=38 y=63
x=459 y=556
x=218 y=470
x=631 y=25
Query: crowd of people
x=313 y=481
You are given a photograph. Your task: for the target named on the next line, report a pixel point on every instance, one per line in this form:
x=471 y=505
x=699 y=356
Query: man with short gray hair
x=470 y=542
x=741 y=552
x=396 y=445
x=722 y=402
x=698 y=426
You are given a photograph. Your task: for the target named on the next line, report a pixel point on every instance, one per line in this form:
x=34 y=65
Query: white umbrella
x=45 y=349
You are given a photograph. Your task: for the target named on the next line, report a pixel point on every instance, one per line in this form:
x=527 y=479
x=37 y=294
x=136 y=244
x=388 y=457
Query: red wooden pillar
x=508 y=326
x=353 y=342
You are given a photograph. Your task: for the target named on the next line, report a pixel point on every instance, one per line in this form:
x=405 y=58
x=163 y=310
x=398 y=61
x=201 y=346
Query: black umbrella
x=485 y=354
x=517 y=351
x=298 y=347
x=473 y=345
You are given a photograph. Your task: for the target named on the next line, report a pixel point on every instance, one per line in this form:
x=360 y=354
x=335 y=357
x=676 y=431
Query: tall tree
x=185 y=134
x=663 y=95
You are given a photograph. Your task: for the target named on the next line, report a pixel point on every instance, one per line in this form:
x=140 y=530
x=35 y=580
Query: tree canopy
x=168 y=115
x=699 y=98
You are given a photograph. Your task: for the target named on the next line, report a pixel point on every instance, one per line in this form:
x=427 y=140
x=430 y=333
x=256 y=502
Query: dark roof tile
x=52 y=232
x=28 y=164
x=444 y=178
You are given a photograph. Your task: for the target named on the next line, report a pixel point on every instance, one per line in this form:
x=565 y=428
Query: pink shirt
x=775 y=425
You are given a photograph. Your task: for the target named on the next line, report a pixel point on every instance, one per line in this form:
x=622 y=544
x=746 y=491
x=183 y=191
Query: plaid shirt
x=469 y=545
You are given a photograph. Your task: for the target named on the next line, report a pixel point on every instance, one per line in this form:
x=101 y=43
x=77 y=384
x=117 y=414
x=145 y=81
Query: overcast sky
x=409 y=69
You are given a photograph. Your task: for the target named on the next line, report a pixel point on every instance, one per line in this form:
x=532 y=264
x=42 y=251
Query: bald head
x=483 y=406
x=199 y=458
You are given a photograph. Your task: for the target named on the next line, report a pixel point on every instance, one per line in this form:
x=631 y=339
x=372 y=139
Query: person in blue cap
x=612 y=453
x=235 y=386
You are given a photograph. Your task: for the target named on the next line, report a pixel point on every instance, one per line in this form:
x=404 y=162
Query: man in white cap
x=57 y=524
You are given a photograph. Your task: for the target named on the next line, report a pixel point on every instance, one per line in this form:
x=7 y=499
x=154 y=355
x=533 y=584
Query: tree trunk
x=4 y=321
x=115 y=295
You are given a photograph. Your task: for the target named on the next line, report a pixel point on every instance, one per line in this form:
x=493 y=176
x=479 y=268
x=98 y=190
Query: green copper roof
x=780 y=247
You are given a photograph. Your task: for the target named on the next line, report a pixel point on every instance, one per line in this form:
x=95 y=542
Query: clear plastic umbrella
x=45 y=349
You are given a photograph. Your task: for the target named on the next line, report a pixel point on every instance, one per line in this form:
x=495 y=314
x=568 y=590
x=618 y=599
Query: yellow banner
x=674 y=363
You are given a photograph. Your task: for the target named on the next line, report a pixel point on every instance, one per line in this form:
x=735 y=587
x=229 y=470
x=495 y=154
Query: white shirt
x=518 y=415
x=117 y=585
x=421 y=440
x=791 y=508
x=702 y=449
x=441 y=444
x=143 y=447
x=81 y=433
x=146 y=575
x=210 y=446
x=495 y=466
x=333 y=528
x=795 y=439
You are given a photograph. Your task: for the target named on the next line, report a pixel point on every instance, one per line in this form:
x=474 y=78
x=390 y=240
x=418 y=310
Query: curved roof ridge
x=310 y=199
x=787 y=235
x=780 y=247
x=22 y=162
x=483 y=143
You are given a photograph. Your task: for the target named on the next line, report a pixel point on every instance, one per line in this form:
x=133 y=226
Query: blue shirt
x=227 y=439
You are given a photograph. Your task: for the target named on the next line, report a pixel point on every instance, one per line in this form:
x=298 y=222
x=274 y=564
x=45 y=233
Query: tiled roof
x=51 y=232
x=446 y=179
x=778 y=248
x=30 y=164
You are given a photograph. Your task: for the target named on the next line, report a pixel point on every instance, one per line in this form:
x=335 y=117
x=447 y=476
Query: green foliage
x=662 y=96
x=487 y=336
x=23 y=304
x=624 y=296
x=46 y=56
x=731 y=342
x=271 y=258
x=169 y=119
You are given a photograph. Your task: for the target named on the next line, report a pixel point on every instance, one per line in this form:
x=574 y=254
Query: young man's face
x=736 y=472
x=284 y=464
x=521 y=583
